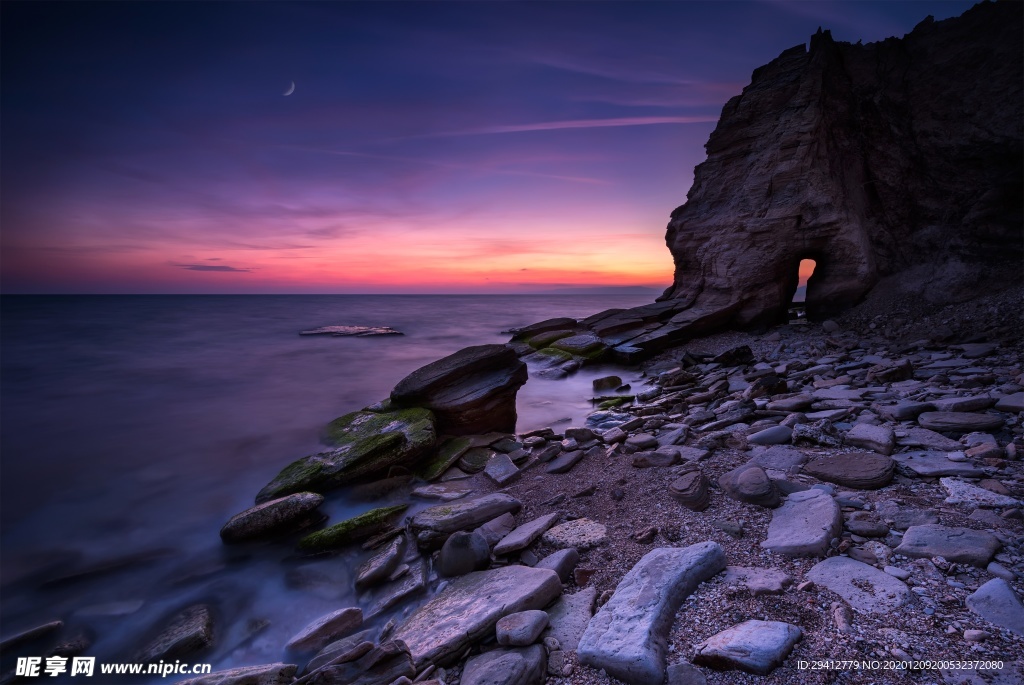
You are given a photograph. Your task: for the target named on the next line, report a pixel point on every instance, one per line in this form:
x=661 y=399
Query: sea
x=133 y=427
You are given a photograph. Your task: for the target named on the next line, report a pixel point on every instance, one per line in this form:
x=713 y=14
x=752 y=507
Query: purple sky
x=427 y=147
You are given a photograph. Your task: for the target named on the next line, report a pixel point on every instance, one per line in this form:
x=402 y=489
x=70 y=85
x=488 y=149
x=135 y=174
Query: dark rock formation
x=470 y=392
x=901 y=158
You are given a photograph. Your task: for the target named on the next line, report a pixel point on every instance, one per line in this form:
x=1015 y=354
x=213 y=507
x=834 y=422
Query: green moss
x=544 y=339
x=615 y=402
x=447 y=454
x=351 y=530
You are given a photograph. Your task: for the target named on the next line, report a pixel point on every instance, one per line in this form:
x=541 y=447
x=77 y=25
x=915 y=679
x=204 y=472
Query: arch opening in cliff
x=797 y=288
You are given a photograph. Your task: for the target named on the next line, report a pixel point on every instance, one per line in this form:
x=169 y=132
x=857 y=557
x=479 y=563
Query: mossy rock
x=590 y=347
x=447 y=454
x=547 y=358
x=474 y=460
x=615 y=402
x=351 y=530
x=545 y=339
x=363 y=443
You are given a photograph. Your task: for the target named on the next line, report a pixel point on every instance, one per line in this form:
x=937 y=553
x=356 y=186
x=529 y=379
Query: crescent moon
x=291 y=89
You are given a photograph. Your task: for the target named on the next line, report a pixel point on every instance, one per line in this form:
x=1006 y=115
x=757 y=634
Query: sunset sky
x=426 y=148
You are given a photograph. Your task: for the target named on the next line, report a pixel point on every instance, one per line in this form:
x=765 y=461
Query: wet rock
x=501 y=470
x=470 y=392
x=497 y=528
x=565 y=461
x=378 y=567
x=380 y=666
x=776 y=435
x=607 y=383
x=860 y=470
x=406 y=583
x=561 y=562
x=588 y=346
x=933 y=465
x=31 y=635
x=521 y=629
x=627 y=637
x=750 y=484
x=353 y=529
x=569 y=617
x=448 y=453
x=523 y=536
x=965 y=493
x=959 y=545
x=432 y=526
x=864 y=587
x=463 y=553
x=959 y=422
x=362 y=443
x=357 y=331
x=535 y=329
x=804 y=525
x=272 y=518
x=821 y=433
x=877 y=438
x=525 y=666
x=579 y=534
x=187 y=633
x=467 y=610
x=347 y=649
x=691 y=490
x=997 y=603
x=757 y=581
x=753 y=646
x=326 y=629
x=267 y=674
x=445 y=492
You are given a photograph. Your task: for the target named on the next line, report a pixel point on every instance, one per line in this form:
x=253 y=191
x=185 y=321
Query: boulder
x=864 y=587
x=627 y=638
x=804 y=525
x=691 y=490
x=521 y=629
x=362 y=443
x=997 y=603
x=470 y=392
x=525 y=666
x=750 y=484
x=877 y=438
x=383 y=562
x=352 y=530
x=468 y=609
x=753 y=646
x=860 y=470
x=463 y=553
x=433 y=525
x=272 y=518
x=959 y=545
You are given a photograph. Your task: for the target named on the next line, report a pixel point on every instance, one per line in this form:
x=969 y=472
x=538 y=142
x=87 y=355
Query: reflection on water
x=133 y=427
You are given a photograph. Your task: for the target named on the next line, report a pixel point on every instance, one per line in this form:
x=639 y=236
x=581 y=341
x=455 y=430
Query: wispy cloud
x=574 y=124
x=212 y=267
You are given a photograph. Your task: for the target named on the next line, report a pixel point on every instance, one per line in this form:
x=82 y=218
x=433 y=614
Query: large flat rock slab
x=627 y=637
x=804 y=525
x=959 y=422
x=934 y=465
x=959 y=545
x=523 y=536
x=864 y=587
x=469 y=608
x=997 y=603
x=965 y=493
x=752 y=646
x=432 y=526
x=525 y=666
x=569 y=617
x=860 y=470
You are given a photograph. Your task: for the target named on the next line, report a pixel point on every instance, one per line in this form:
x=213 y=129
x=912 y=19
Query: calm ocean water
x=133 y=427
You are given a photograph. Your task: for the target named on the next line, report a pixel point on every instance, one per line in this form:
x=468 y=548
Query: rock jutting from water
x=357 y=331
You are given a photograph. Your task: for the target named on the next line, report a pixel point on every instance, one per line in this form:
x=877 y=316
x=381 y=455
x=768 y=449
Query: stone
x=432 y=526
x=187 y=633
x=682 y=673
x=521 y=629
x=445 y=492
x=561 y=562
x=272 y=518
x=964 y=404
x=691 y=490
x=958 y=545
x=758 y=581
x=860 y=470
x=965 y=493
x=475 y=459
x=1013 y=404
x=352 y=530
x=897 y=572
x=31 y=635
x=497 y=528
x=776 y=435
x=997 y=603
x=864 y=587
x=535 y=329
x=463 y=553
x=658 y=459
x=362 y=443
x=642 y=441
x=607 y=383
x=406 y=583
x=448 y=453
x=933 y=465
x=326 y=629
x=506 y=667
x=904 y=411
x=523 y=536
x=588 y=346
x=564 y=462
x=867 y=528
x=627 y=637
x=975 y=635
x=958 y=423
x=468 y=609
x=693 y=454
x=929 y=440
x=778 y=458
x=1000 y=571
x=382 y=564
x=791 y=404
x=877 y=438
x=267 y=674
x=501 y=470
x=821 y=432
x=753 y=646
x=389 y=663
x=580 y=534
x=804 y=525
x=750 y=484
x=569 y=617
x=472 y=391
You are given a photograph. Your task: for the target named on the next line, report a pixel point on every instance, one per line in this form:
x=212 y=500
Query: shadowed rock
x=753 y=646
x=271 y=518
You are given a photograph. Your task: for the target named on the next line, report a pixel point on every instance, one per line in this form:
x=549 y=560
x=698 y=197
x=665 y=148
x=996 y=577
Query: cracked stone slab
x=805 y=524
x=752 y=646
x=866 y=589
x=959 y=545
x=933 y=465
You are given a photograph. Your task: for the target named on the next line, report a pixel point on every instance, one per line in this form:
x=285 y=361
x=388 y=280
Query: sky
x=428 y=147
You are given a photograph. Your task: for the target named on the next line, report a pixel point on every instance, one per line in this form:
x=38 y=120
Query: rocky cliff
x=898 y=160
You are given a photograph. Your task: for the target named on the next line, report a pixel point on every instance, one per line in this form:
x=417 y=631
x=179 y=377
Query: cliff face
x=898 y=159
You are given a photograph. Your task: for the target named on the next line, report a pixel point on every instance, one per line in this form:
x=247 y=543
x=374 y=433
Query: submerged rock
x=364 y=443
x=326 y=629
x=352 y=530
x=275 y=517
x=472 y=391
x=187 y=633
x=360 y=331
